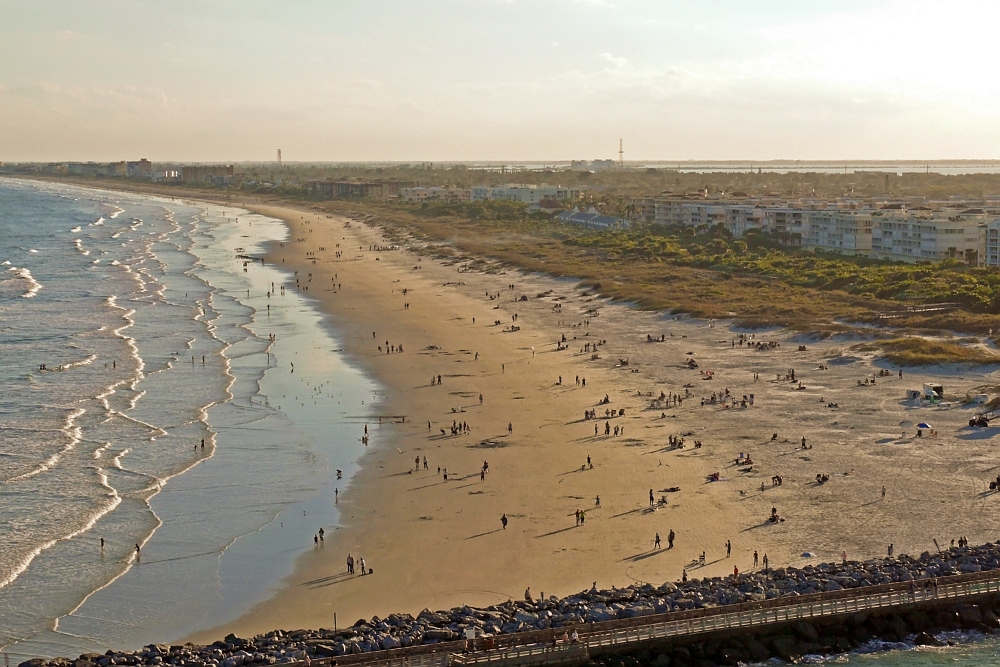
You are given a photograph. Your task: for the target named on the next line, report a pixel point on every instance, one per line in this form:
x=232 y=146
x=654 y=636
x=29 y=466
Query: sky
x=498 y=80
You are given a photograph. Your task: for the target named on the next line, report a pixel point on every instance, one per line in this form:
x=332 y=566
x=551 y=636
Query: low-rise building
x=525 y=194
x=433 y=193
x=359 y=189
x=844 y=232
x=591 y=218
x=913 y=236
x=142 y=168
x=206 y=173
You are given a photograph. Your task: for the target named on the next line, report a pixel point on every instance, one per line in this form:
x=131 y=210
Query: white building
x=918 y=236
x=989 y=253
x=436 y=193
x=526 y=194
x=844 y=232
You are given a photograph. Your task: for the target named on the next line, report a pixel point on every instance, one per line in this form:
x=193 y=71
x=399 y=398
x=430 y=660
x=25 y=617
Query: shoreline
x=436 y=544
x=186 y=545
x=508 y=571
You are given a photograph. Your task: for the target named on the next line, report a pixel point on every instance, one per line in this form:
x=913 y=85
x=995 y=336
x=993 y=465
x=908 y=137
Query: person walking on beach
x=729 y=548
x=656 y=542
x=883 y=492
x=503 y=521
x=350 y=564
x=361 y=561
x=138 y=551
x=510 y=428
x=670 y=539
x=651 y=498
x=755 y=559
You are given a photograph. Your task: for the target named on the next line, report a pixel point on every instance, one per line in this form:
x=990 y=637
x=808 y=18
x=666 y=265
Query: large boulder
x=787 y=648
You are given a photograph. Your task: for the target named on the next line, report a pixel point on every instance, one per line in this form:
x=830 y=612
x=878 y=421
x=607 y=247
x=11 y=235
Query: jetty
x=633 y=635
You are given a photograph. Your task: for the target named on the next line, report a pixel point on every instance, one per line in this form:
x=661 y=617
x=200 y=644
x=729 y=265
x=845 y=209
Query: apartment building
x=989 y=253
x=844 y=232
x=525 y=194
x=434 y=193
x=913 y=236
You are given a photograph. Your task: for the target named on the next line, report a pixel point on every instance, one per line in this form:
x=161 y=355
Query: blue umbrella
x=924 y=425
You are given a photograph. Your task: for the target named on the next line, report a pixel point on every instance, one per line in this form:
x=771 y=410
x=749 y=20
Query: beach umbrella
x=924 y=425
x=808 y=554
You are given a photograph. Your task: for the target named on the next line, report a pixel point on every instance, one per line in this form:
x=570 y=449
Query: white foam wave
x=73 y=432
x=32 y=250
x=76 y=229
x=34 y=287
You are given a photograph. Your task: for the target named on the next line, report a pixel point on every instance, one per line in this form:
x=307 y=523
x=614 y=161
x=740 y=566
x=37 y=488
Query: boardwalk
x=538 y=648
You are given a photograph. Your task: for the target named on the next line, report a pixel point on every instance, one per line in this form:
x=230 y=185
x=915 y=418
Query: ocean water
x=967 y=650
x=130 y=332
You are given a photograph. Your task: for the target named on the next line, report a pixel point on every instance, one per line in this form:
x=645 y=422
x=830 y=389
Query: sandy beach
x=436 y=544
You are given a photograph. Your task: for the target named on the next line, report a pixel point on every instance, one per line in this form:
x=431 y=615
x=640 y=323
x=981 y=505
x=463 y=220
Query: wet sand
x=437 y=544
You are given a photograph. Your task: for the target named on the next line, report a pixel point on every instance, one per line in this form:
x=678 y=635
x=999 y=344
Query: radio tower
x=621 y=158
x=279 y=157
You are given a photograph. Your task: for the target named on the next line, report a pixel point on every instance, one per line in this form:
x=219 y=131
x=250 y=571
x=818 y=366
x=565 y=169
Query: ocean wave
x=34 y=287
x=73 y=432
x=19 y=567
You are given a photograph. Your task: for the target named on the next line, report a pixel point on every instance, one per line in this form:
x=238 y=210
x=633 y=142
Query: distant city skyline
x=499 y=80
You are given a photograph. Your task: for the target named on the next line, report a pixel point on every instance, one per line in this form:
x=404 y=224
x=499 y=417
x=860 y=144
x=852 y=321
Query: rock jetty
x=594 y=605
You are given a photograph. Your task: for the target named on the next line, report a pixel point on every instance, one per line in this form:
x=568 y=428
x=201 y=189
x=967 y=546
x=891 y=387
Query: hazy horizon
x=499 y=81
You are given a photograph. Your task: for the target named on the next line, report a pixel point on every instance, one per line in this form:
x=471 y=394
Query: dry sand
x=440 y=544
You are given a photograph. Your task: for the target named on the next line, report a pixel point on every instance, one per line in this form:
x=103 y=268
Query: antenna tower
x=279 y=157
x=621 y=154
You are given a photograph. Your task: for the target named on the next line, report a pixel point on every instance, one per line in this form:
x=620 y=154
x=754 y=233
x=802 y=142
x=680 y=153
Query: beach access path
x=438 y=544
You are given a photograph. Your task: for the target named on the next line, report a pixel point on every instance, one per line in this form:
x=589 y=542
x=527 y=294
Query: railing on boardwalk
x=537 y=647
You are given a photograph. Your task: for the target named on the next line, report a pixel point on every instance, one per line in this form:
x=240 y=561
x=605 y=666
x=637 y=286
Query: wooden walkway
x=537 y=648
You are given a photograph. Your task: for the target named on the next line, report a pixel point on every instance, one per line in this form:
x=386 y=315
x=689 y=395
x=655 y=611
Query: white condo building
x=526 y=194
x=920 y=236
x=844 y=232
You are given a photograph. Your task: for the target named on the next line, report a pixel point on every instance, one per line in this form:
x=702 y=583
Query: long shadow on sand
x=556 y=532
x=328 y=581
x=644 y=555
x=488 y=532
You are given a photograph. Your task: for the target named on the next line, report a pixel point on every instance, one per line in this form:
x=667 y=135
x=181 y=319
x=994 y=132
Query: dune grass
x=917 y=351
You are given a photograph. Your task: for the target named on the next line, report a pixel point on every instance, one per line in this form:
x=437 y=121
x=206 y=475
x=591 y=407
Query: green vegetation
x=927 y=352
x=976 y=289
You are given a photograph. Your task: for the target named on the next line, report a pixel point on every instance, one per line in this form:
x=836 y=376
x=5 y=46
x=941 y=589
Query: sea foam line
x=34 y=287
x=72 y=431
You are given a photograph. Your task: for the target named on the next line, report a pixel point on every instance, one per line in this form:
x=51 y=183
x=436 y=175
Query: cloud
x=618 y=61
